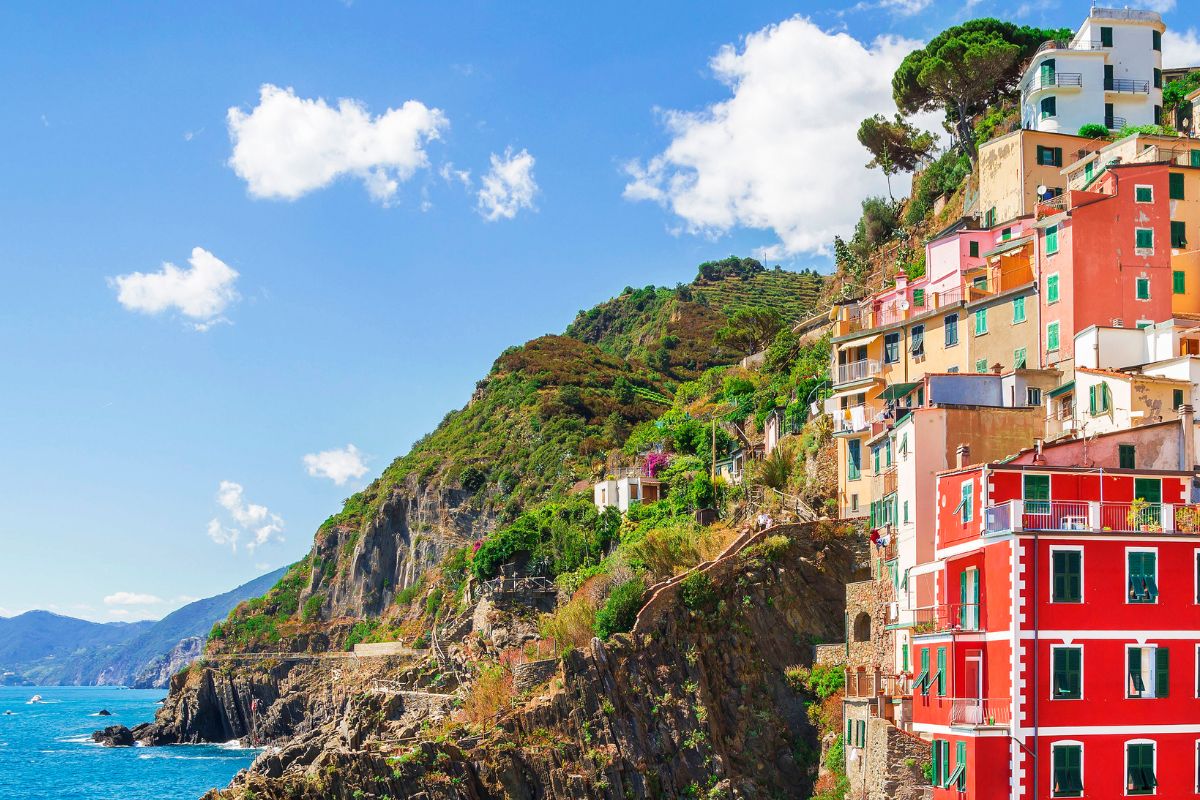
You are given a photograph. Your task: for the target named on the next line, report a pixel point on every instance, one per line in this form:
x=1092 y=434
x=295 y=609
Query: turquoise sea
x=46 y=752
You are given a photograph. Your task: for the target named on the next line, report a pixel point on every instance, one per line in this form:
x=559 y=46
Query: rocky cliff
x=696 y=701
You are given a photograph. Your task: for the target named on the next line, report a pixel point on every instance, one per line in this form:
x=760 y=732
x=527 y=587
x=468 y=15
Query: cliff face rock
x=157 y=674
x=696 y=702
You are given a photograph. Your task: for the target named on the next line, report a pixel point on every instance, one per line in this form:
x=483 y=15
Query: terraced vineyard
x=794 y=294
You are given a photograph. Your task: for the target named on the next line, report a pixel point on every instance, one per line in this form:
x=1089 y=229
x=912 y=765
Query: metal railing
x=943 y=618
x=1114 y=123
x=1055 y=80
x=867 y=683
x=981 y=711
x=1064 y=44
x=858 y=370
x=1091 y=516
x=1126 y=86
x=1048 y=208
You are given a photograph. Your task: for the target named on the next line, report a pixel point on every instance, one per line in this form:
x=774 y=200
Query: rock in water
x=104 y=712
x=114 y=736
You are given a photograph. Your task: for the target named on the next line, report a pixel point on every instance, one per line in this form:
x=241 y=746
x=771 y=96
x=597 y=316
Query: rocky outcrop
x=114 y=736
x=697 y=702
x=157 y=674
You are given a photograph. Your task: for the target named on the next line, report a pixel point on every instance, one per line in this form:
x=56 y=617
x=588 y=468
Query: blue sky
x=345 y=271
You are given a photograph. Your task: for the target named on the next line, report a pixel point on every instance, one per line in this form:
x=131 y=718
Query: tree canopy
x=895 y=145
x=966 y=67
x=751 y=329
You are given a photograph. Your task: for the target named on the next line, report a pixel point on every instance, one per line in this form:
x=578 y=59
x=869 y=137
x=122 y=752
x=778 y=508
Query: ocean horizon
x=46 y=751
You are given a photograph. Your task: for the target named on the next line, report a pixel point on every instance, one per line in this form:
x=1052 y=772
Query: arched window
x=862 y=627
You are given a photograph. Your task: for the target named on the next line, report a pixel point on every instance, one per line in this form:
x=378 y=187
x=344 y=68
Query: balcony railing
x=857 y=370
x=851 y=419
x=868 y=683
x=983 y=712
x=1114 y=123
x=944 y=618
x=1056 y=80
x=1091 y=516
x=1126 y=86
x=1063 y=44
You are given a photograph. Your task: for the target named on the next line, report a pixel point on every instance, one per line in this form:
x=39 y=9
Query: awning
x=1066 y=387
x=1011 y=244
x=897 y=390
x=831 y=401
x=860 y=340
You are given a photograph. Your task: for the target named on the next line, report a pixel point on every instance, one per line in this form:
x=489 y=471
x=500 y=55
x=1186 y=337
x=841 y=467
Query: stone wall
x=532 y=673
x=894 y=761
x=830 y=655
x=870 y=643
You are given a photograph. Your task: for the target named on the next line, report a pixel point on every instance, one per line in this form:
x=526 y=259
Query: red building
x=1062 y=658
x=1104 y=256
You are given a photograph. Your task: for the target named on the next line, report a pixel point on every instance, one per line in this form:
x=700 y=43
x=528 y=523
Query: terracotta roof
x=1131 y=375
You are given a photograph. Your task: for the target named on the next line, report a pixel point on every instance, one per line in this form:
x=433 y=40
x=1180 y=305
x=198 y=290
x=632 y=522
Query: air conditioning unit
x=1118 y=323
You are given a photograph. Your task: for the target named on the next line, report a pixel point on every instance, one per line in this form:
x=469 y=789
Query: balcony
x=1063 y=44
x=857 y=370
x=1056 y=80
x=1114 y=123
x=981 y=712
x=852 y=419
x=1091 y=517
x=944 y=618
x=1126 y=86
x=868 y=684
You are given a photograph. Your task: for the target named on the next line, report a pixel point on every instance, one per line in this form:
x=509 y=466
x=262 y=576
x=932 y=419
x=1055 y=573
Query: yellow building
x=1013 y=166
x=1003 y=321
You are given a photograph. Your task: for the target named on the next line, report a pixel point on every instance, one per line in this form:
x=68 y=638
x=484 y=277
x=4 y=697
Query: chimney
x=962 y=455
x=1187 y=423
x=1038 y=458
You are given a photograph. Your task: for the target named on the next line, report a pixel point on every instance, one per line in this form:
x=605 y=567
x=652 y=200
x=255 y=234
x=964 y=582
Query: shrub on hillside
x=1094 y=130
x=620 y=610
x=491 y=693
x=696 y=591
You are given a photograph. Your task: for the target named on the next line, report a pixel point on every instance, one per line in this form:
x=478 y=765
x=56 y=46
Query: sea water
x=46 y=751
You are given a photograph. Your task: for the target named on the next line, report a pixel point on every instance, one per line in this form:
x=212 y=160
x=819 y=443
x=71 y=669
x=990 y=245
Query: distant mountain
x=50 y=649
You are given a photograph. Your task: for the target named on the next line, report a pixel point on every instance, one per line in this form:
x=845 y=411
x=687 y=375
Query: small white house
x=731 y=468
x=626 y=490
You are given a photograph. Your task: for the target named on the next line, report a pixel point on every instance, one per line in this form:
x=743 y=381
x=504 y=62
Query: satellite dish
x=903 y=304
x=1041 y=190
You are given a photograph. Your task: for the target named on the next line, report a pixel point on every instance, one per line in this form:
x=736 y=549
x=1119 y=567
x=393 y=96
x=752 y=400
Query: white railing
x=1090 y=515
x=981 y=711
x=857 y=370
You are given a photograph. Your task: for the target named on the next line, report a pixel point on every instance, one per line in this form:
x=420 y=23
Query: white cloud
x=288 y=146
x=508 y=186
x=1181 y=48
x=201 y=292
x=450 y=174
x=131 y=599
x=337 y=465
x=255 y=522
x=781 y=153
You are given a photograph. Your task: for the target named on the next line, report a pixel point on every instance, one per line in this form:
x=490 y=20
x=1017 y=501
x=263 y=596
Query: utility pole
x=712 y=469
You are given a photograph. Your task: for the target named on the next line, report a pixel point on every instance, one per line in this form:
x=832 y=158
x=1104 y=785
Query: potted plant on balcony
x=1187 y=519
x=1136 y=514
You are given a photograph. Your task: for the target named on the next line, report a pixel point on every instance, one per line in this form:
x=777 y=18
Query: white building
x=1110 y=73
x=626 y=490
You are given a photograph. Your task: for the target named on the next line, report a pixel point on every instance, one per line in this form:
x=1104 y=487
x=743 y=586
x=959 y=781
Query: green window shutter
x=1126 y=453
x=1068 y=576
x=968 y=501
x=1175 y=185
x=1136 y=685
x=1176 y=398
x=981 y=365
x=1178 y=236
x=936 y=757
x=1106 y=37
x=1195 y=158
x=849 y=731
x=854 y=459
x=973 y=247
x=1067 y=683
x=1144 y=238
x=1052 y=240
x=941 y=672
x=1068 y=774
x=1142 y=287
x=1156 y=40
x=1018 y=309
x=1019 y=358
x=904 y=658
x=1157 y=76
x=1162 y=673
x=961 y=765
x=1052 y=336
x=1148 y=489
x=981 y=321
x=1049 y=107
x=1140 y=778
x=919 y=298
x=1092 y=399
x=1179 y=282
x=1043 y=156
x=1144 y=194
x=1052 y=288
x=1057 y=155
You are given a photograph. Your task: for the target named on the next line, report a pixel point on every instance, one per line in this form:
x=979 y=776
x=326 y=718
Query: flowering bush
x=654 y=463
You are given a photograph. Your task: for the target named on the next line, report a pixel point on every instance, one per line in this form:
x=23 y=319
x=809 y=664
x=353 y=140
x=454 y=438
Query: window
x=1036 y=493
x=853 y=459
x=1195 y=158
x=989 y=219
x=904 y=658
x=981 y=322
x=1018 y=309
x=1066 y=576
x=1106 y=37
x=1139 y=768
x=1049 y=156
x=967 y=504
x=919 y=298
x=1176 y=398
x=1052 y=337
x=918 y=341
x=1051 y=240
x=1143 y=238
x=941 y=763
x=861 y=725
x=1126 y=455
x=1156 y=40
x=1052 y=288
x=981 y=365
x=1099 y=399
x=951 y=330
x=1068 y=770
x=1178 y=236
x=1149 y=673
x=1033 y=396
x=1143 y=194
x=921 y=682
x=891 y=348
x=1179 y=282
x=1157 y=77
x=1158 y=117
x=1142 y=569
x=941 y=673
x=958 y=778
x=1142 y=288
x=973 y=247
x=1066 y=681
x=1019 y=358
x=1049 y=107
x=876 y=455
x=1175 y=185
x=981 y=281
x=1006 y=234
x=906 y=511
